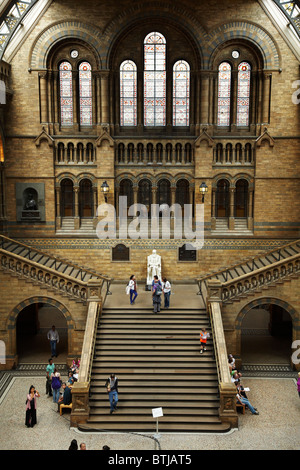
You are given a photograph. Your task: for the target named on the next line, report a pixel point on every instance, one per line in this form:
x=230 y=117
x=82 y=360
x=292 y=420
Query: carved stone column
x=204 y=98
x=250 y=210
x=231 y=208
x=76 y=218
x=213 y=209
x=266 y=97
x=58 y=214
x=104 y=98
x=43 y=96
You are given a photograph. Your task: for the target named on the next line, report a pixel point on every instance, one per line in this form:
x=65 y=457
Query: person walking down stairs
x=204 y=335
x=112 y=388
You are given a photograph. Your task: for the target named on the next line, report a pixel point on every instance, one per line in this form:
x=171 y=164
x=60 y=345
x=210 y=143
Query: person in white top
x=167 y=292
x=53 y=337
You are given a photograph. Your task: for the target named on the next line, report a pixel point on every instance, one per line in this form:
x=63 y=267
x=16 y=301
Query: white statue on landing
x=153 y=267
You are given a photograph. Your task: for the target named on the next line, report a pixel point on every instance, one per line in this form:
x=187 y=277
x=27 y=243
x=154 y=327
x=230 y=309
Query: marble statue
x=153 y=267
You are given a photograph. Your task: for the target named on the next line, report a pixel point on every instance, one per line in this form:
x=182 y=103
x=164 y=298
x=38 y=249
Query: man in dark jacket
x=156 y=294
x=112 y=387
x=66 y=399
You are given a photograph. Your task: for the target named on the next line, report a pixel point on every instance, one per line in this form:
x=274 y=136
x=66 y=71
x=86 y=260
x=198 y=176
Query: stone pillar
x=76 y=218
x=43 y=97
x=213 y=209
x=266 y=97
x=204 y=98
x=234 y=94
x=231 y=208
x=55 y=97
x=95 y=203
x=58 y=214
x=75 y=103
x=250 y=210
x=104 y=98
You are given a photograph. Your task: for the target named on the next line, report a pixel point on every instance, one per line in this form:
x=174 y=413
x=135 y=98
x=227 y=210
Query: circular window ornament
x=74 y=54
x=235 y=54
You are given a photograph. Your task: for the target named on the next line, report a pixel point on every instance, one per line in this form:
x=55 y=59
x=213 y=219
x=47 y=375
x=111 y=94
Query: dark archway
x=241 y=199
x=32 y=325
x=86 y=198
x=67 y=198
x=222 y=199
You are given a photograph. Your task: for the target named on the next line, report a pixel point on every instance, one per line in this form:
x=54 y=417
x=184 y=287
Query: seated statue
x=153 y=267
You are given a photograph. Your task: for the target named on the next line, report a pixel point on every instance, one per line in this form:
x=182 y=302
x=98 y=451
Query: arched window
x=243 y=96
x=181 y=93
x=66 y=99
x=128 y=93
x=85 y=94
x=154 y=80
x=224 y=89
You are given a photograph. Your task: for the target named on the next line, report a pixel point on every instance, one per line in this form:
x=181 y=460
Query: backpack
x=55 y=383
x=158 y=289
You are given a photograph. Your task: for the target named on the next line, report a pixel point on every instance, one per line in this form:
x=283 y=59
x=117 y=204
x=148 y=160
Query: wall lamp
x=203 y=189
x=105 y=189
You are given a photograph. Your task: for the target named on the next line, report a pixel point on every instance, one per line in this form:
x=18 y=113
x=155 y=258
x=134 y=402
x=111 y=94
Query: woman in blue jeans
x=133 y=289
x=112 y=387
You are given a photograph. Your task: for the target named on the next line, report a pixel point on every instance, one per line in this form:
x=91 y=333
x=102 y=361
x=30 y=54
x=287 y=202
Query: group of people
x=82 y=446
x=158 y=288
x=55 y=387
x=241 y=396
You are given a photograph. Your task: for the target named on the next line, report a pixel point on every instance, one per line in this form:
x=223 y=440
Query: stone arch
x=88 y=176
x=222 y=176
x=262 y=301
x=59 y=31
x=178 y=15
x=247 y=31
x=11 y=322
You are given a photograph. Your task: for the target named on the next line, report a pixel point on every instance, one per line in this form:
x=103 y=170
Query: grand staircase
x=157 y=361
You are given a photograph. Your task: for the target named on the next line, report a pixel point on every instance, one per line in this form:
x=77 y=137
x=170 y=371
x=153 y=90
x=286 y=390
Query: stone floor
x=276 y=428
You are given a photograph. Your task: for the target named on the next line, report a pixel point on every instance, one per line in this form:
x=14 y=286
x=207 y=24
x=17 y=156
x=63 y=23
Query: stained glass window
x=85 y=94
x=128 y=104
x=181 y=93
x=243 y=97
x=66 y=100
x=155 y=80
x=224 y=89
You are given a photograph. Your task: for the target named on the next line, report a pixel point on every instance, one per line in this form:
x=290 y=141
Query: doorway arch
x=265 y=330
x=34 y=317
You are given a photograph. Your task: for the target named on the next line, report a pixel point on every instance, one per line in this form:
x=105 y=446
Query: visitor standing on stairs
x=112 y=387
x=204 y=335
x=156 y=294
x=133 y=289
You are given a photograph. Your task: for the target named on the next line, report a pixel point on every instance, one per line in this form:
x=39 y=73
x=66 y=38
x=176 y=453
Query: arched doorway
x=164 y=192
x=126 y=189
x=67 y=198
x=32 y=325
x=222 y=199
x=85 y=199
x=241 y=199
x=145 y=194
x=266 y=328
x=182 y=192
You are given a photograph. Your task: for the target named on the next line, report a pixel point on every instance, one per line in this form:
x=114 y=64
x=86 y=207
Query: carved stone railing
x=53 y=277
x=154 y=152
x=81 y=388
x=227 y=389
x=260 y=279
x=249 y=266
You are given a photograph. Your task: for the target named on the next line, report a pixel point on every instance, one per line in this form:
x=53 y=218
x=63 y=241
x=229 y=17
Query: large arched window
x=154 y=80
x=85 y=94
x=181 y=93
x=128 y=93
x=224 y=89
x=66 y=99
x=243 y=94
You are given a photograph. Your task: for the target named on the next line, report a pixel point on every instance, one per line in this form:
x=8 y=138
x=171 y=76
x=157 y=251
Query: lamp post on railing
x=105 y=189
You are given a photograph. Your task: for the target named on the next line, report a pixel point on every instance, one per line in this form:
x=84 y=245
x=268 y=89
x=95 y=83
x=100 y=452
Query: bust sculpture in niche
x=30 y=204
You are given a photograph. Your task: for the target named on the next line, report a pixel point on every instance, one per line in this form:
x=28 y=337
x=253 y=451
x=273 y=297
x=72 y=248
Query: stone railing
x=50 y=272
x=81 y=388
x=227 y=389
x=154 y=153
x=248 y=266
x=259 y=279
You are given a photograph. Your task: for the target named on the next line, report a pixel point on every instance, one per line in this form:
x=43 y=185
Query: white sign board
x=157 y=412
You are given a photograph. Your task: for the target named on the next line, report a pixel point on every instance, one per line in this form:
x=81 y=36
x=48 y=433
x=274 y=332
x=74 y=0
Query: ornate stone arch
x=243 y=176
x=222 y=176
x=263 y=301
x=12 y=318
x=59 y=31
x=171 y=12
x=247 y=31
x=63 y=176
x=88 y=176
